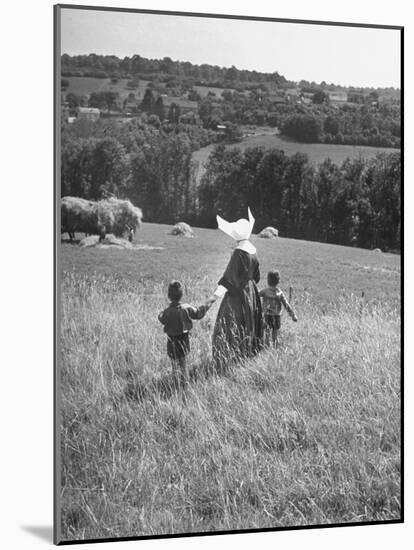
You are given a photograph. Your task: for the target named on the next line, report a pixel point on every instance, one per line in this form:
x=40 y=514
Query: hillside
x=106 y=66
x=317 y=152
x=323 y=270
x=304 y=111
x=306 y=434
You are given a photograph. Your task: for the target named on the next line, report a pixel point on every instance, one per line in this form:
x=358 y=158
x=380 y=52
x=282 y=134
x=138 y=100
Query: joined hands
x=210 y=301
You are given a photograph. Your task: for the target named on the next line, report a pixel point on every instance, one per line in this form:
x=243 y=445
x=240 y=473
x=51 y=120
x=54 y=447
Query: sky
x=348 y=56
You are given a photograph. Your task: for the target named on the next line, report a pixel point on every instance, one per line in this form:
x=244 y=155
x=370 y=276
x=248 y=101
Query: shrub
x=304 y=128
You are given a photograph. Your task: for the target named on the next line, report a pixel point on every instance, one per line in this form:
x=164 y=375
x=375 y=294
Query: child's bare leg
x=183 y=372
x=176 y=373
x=275 y=333
x=267 y=335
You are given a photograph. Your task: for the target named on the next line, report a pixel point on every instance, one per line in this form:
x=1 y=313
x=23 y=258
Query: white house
x=89 y=113
x=338 y=96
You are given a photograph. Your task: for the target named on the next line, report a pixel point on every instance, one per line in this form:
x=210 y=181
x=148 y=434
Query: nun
x=238 y=331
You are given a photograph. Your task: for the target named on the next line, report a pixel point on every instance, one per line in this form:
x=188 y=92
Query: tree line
x=150 y=162
x=168 y=70
x=378 y=127
x=348 y=124
x=144 y=160
x=107 y=66
x=357 y=203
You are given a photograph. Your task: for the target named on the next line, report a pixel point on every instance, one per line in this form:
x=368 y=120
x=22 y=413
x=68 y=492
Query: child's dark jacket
x=177 y=317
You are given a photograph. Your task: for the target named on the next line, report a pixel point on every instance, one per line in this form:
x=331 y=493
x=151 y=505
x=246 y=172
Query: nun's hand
x=211 y=300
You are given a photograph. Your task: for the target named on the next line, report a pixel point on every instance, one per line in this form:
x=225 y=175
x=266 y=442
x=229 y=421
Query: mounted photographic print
x=228 y=274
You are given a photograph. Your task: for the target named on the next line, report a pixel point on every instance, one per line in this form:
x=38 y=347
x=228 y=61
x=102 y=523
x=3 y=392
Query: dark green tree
x=305 y=128
x=159 y=109
x=331 y=125
x=320 y=97
x=148 y=102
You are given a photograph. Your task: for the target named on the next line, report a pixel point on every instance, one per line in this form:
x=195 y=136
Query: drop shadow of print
x=43 y=532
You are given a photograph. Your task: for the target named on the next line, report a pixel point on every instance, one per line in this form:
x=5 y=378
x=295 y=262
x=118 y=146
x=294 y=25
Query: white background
x=26 y=301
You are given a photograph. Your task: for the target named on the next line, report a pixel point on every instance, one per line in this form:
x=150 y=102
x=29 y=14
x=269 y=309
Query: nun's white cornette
x=240 y=231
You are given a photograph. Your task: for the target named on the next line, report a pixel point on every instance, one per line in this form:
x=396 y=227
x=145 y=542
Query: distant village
x=233 y=103
x=188 y=103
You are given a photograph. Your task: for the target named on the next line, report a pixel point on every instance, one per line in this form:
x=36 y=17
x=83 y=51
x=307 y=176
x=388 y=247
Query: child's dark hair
x=273 y=277
x=175 y=291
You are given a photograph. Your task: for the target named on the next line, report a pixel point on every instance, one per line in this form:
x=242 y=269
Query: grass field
x=204 y=90
x=318 y=268
x=305 y=434
x=82 y=85
x=317 y=152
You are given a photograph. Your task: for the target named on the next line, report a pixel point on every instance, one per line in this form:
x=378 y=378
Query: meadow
x=305 y=434
x=317 y=152
x=83 y=85
x=203 y=91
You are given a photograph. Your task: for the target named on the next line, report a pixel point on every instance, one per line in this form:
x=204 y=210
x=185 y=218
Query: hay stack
x=269 y=233
x=78 y=215
x=118 y=216
x=182 y=229
x=112 y=215
x=110 y=241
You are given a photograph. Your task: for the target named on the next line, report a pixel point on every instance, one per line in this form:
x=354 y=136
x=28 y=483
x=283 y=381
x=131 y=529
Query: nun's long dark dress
x=238 y=331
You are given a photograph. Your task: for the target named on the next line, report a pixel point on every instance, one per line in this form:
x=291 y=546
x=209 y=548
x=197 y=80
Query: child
x=177 y=321
x=273 y=300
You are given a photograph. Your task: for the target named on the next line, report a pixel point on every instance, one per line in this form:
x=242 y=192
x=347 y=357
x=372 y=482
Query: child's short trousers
x=272 y=321
x=178 y=346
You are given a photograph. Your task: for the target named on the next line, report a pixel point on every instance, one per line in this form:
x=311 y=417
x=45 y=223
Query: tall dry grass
x=305 y=434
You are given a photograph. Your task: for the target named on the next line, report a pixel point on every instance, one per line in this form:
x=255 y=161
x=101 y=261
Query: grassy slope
x=307 y=434
x=318 y=268
x=85 y=85
x=317 y=152
x=204 y=90
x=82 y=85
